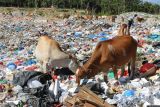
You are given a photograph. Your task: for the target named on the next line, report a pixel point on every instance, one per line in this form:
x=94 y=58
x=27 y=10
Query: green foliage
x=92 y=6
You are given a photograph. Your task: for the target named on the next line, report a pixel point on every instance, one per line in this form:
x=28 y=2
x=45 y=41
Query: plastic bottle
x=110 y=74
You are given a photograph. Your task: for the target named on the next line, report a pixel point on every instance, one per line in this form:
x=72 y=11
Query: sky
x=153 y=1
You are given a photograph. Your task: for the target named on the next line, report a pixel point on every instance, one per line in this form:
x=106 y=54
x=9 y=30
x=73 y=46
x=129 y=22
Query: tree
x=92 y=6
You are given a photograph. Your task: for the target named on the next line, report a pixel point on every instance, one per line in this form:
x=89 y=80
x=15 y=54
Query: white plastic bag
x=34 y=84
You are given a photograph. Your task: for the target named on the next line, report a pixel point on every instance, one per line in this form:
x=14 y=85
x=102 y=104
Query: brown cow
x=109 y=54
x=49 y=51
x=140 y=19
x=123 y=30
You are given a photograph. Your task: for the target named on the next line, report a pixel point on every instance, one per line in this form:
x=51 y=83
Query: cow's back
x=119 y=49
x=45 y=48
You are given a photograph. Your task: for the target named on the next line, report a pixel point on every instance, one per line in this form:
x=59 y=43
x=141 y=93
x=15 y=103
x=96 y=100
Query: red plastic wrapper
x=146 y=67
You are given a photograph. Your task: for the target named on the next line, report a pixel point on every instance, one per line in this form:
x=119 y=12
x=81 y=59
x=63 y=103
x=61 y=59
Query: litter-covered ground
x=22 y=84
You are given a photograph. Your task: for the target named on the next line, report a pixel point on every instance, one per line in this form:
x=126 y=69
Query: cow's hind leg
x=105 y=77
x=122 y=70
x=132 y=68
x=115 y=71
x=129 y=68
x=41 y=65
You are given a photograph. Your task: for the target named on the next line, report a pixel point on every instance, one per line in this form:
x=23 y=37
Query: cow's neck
x=91 y=66
x=121 y=32
x=90 y=70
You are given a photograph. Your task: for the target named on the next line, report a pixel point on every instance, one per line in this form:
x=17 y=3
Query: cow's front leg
x=122 y=70
x=131 y=76
x=115 y=72
x=45 y=67
x=105 y=77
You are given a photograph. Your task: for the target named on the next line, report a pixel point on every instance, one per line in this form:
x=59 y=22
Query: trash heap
x=22 y=84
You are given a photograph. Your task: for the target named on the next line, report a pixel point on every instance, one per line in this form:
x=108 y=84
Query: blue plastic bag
x=153 y=36
x=102 y=34
x=129 y=93
x=30 y=62
x=78 y=34
x=91 y=36
x=103 y=39
x=123 y=80
x=11 y=66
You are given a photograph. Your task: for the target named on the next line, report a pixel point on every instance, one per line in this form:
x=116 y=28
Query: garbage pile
x=23 y=84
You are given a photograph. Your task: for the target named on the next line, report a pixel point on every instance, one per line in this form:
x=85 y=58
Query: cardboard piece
x=87 y=98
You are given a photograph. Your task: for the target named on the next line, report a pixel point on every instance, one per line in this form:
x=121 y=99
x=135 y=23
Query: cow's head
x=80 y=73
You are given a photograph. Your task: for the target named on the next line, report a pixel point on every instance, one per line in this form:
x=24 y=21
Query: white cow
x=49 y=51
